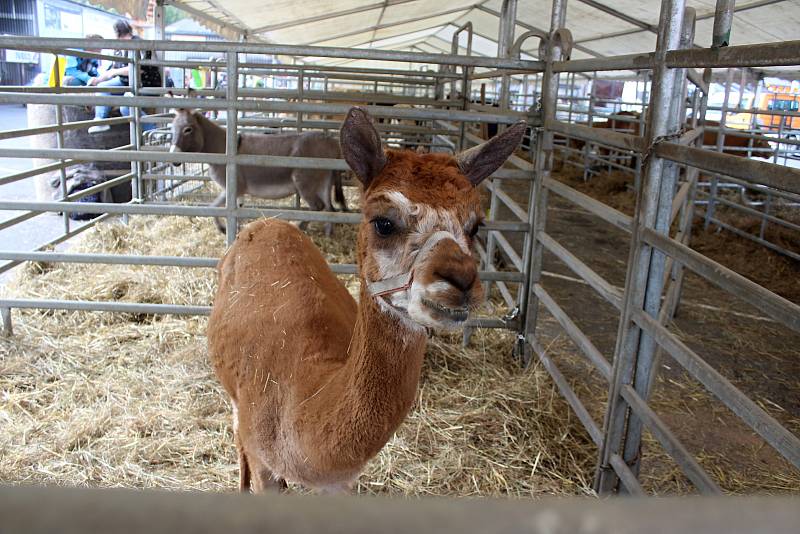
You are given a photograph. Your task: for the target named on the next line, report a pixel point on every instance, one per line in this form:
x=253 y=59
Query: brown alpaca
x=319 y=383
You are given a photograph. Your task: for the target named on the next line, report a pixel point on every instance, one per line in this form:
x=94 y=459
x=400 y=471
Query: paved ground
x=34 y=232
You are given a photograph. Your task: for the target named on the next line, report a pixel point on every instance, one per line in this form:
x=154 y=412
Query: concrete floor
x=34 y=232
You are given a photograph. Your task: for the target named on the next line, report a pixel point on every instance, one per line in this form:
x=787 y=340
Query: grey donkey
x=193 y=132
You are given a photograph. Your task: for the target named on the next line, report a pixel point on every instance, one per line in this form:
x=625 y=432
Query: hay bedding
x=129 y=400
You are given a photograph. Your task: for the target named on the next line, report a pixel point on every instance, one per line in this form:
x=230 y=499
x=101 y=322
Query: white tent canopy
x=599 y=27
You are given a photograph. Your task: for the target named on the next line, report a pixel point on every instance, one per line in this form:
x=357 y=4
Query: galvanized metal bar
x=136 y=126
x=679 y=202
x=25 y=43
x=122 y=307
x=507 y=201
x=643 y=280
x=641 y=61
x=266 y=106
x=563 y=386
x=197 y=211
x=598 y=135
x=610 y=293
x=671 y=444
x=109 y=259
x=77 y=510
x=57 y=90
x=60 y=239
x=723 y=115
x=779 y=54
x=588 y=349
x=512 y=255
x=62 y=172
x=756 y=213
x=626 y=476
x=780 y=309
x=5 y=318
x=790 y=197
x=543 y=165
x=772 y=246
x=77 y=125
x=766 y=426
x=505 y=42
x=723 y=22
x=158 y=309
x=748 y=170
x=607 y=213
x=646 y=359
x=232 y=148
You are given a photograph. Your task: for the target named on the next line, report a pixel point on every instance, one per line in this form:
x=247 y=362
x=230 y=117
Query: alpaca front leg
x=265 y=481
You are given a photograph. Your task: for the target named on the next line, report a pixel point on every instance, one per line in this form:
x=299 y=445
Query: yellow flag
x=57 y=71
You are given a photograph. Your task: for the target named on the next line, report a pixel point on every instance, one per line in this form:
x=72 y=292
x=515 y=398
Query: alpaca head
x=421 y=213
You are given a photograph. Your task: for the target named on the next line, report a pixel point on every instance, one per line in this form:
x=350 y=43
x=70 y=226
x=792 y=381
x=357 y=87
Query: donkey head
x=421 y=213
x=187 y=133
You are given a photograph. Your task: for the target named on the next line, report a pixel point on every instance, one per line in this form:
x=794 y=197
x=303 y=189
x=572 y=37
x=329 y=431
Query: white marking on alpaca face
x=174 y=148
x=426 y=227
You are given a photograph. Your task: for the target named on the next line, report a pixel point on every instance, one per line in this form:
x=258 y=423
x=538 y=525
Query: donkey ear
x=480 y=161
x=361 y=145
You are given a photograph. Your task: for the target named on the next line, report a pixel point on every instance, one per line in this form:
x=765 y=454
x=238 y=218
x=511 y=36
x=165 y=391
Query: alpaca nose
x=456 y=268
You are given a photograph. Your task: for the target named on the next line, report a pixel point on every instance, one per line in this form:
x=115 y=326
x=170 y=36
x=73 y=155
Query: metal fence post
x=710 y=208
x=634 y=350
x=587 y=147
x=537 y=200
x=231 y=148
x=5 y=316
x=505 y=42
x=62 y=172
x=136 y=126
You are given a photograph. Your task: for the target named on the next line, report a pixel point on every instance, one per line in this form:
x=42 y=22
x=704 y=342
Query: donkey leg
x=219 y=201
x=324 y=195
x=307 y=182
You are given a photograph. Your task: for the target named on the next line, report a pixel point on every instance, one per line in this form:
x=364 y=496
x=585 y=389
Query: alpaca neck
x=386 y=352
x=372 y=392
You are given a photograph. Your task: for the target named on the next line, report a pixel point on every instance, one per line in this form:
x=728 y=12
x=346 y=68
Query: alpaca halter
x=403 y=282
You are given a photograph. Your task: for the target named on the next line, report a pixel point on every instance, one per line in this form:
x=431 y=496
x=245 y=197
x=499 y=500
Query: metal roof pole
x=711 y=206
x=537 y=201
x=723 y=21
x=159 y=24
x=505 y=43
x=634 y=350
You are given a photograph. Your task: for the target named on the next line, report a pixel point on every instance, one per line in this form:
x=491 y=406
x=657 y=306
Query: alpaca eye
x=187 y=130
x=383 y=226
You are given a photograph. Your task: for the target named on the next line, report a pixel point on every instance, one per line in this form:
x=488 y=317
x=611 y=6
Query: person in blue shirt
x=118 y=75
x=83 y=70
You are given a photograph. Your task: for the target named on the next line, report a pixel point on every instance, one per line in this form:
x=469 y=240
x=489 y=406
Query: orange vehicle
x=780 y=98
x=774 y=98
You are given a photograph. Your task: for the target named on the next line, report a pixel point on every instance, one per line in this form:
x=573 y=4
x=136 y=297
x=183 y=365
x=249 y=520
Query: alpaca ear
x=480 y=161
x=361 y=145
